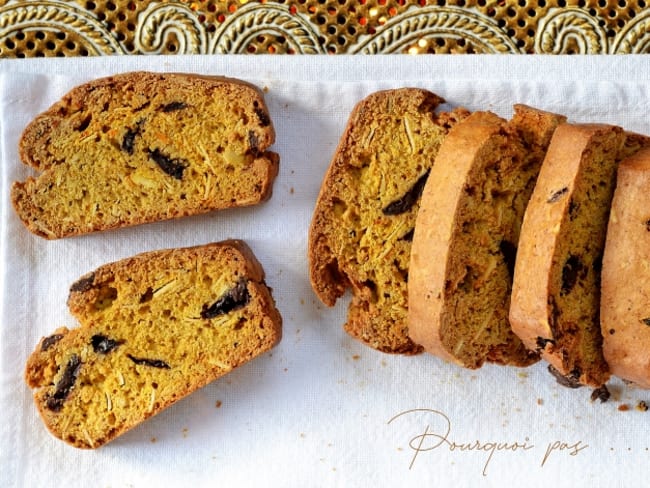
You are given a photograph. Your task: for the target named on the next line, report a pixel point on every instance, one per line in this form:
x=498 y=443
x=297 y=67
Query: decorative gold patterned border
x=105 y=27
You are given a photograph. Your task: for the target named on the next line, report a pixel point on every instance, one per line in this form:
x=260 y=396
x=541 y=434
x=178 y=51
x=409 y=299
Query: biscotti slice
x=142 y=147
x=362 y=225
x=556 y=291
x=625 y=287
x=466 y=236
x=154 y=328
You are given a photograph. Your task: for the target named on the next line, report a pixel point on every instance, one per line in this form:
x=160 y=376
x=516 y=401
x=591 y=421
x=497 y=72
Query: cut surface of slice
x=154 y=328
x=556 y=293
x=362 y=225
x=142 y=147
x=466 y=237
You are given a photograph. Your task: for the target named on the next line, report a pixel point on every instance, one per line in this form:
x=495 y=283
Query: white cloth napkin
x=321 y=409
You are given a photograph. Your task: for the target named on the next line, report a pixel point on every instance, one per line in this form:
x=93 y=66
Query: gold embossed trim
x=60 y=19
x=442 y=22
x=99 y=27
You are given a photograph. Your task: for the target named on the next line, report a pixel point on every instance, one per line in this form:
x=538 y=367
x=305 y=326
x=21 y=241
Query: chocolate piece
x=263 y=116
x=646 y=321
x=173 y=106
x=408 y=237
x=65 y=384
x=84 y=123
x=173 y=167
x=50 y=341
x=128 y=141
x=103 y=345
x=146 y=296
x=509 y=251
x=557 y=195
x=573 y=270
x=570 y=381
x=542 y=342
x=154 y=363
x=253 y=142
x=405 y=203
x=573 y=210
x=233 y=299
x=601 y=393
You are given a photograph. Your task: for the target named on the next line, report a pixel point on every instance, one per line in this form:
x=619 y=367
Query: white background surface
x=321 y=409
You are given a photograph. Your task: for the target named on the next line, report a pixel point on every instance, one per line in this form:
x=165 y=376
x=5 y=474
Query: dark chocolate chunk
x=554 y=315
x=542 y=342
x=601 y=393
x=62 y=389
x=572 y=380
x=408 y=237
x=103 y=345
x=573 y=210
x=404 y=204
x=173 y=106
x=254 y=143
x=146 y=296
x=128 y=141
x=263 y=116
x=573 y=270
x=646 y=321
x=154 y=363
x=84 y=123
x=597 y=264
x=509 y=251
x=557 y=195
x=233 y=299
x=84 y=283
x=50 y=341
x=173 y=167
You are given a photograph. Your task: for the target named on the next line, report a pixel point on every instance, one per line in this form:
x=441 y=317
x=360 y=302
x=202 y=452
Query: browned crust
x=34 y=145
x=41 y=366
x=624 y=310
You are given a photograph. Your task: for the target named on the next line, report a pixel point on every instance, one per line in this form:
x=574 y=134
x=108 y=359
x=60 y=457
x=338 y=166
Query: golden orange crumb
x=642 y=406
x=356 y=357
x=623 y=407
x=540 y=401
x=218 y=404
x=153 y=439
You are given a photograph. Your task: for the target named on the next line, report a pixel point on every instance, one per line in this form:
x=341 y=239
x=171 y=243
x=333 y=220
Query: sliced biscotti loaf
x=556 y=291
x=625 y=280
x=466 y=236
x=141 y=147
x=362 y=226
x=154 y=328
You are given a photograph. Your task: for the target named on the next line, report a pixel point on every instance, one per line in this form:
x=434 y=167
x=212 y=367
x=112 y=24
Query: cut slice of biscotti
x=141 y=147
x=625 y=286
x=360 y=235
x=154 y=328
x=466 y=236
x=556 y=291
